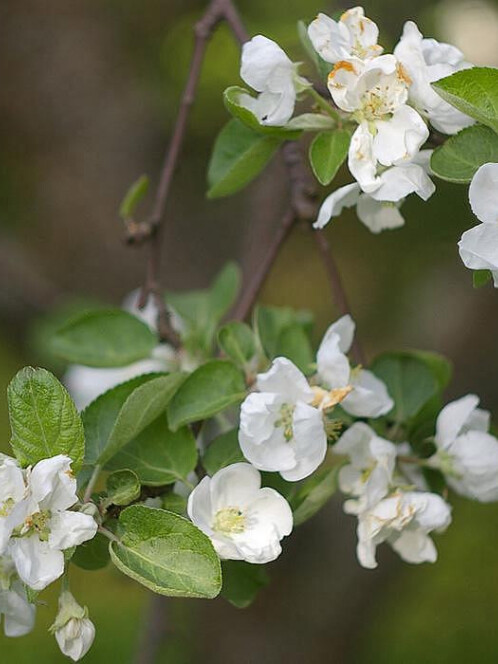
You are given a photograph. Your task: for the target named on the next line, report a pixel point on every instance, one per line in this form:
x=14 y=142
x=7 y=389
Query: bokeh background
x=88 y=98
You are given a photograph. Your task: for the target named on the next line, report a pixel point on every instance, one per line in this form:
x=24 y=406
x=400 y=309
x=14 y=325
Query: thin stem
x=91 y=484
x=324 y=104
x=107 y=533
x=339 y=296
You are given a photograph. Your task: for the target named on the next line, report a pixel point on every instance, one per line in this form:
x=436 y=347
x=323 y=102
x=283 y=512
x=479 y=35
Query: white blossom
x=369 y=473
x=426 y=61
x=404 y=520
x=73 y=630
x=478 y=246
x=353 y=35
x=268 y=70
x=369 y=396
x=49 y=528
x=17 y=612
x=467 y=454
x=279 y=428
x=12 y=493
x=243 y=520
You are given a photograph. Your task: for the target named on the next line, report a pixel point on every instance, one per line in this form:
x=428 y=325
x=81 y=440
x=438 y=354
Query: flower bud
x=73 y=630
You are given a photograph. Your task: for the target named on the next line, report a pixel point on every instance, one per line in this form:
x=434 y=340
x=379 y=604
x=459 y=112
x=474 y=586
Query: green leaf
x=312 y=122
x=104 y=338
x=474 y=92
x=142 y=407
x=43 y=419
x=409 y=380
x=133 y=196
x=462 y=155
x=172 y=502
x=271 y=323
x=481 y=277
x=202 y=310
x=158 y=455
x=237 y=341
x=222 y=451
x=295 y=344
x=120 y=414
x=123 y=487
x=314 y=493
x=439 y=365
x=239 y=155
x=209 y=389
x=92 y=555
x=242 y=582
x=166 y=553
x=231 y=97
x=327 y=153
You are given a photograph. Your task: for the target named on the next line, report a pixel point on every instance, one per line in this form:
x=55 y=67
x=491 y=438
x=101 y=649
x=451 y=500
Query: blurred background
x=89 y=95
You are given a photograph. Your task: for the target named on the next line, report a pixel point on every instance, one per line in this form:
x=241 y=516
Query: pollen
x=229 y=521
x=403 y=74
x=342 y=64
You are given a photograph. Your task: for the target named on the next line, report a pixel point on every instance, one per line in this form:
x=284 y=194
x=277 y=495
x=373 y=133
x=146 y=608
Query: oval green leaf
x=327 y=153
x=461 y=156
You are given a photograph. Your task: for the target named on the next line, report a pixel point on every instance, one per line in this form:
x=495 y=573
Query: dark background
x=89 y=92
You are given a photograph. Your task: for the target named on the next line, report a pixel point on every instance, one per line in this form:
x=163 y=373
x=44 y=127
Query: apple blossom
x=279 y=428
x=478 y=246
x=467 y=454
x=73 y=630
x=404 y=520
x=369 y=396
x=426 y=61
x=243 y=520
x=49 y=528
x=12 y=494
x=268 y=70
x=353 y=35
x=368 y=474
x=18 y=613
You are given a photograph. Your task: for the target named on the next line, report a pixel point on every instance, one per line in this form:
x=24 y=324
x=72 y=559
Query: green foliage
x=43 y=419
x=283 y=331
x=222 y=451
x=104 y=338
x=172 y=502
x=202 y=310
x=242 y=582
x=120 y=414
x=458 y=159
x=412 y=378
x=123 y=487
x=158 y=455
x=327 y=153
x=481 y=277
x=237 y=341
x=137 y=192
x=312 y=122
x=314 y=492
x=92 y=555
x=231 y=97
x=474 y=92
x=208 y=390
x=239 y=155
x=166 y=553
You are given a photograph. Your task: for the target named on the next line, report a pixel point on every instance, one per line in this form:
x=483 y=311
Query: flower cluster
x=386 y=100
x=38 y=524
x=389 y=494
x=284 y=427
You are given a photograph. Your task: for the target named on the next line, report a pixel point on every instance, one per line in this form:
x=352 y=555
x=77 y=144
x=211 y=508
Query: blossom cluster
x=386 y=99
x=39 y=522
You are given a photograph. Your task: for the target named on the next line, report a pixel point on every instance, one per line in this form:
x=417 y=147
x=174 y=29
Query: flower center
x=6 y=507
x=285 y=420
x=229 y=521
x=38 y=523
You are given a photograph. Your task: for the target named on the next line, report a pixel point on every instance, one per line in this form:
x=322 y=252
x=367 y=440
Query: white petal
x=475 y=456
x=274 y=454
x=478 y=247
x=398 y=182
x=364 y=32
x=234 y=486
x=264 y=65
x=369 y=397
x=285 y=379
x=377 y=215
x=333 y=205
x=199 y=506
x=361 y=160
x=19 y=614
x=309 y=442
x=52 y=484
x=271 y=507
x=76 y=638
x=344 y=327
x=414 y=546
x=453 y=418
x=483 y=193
x=331 y=40
x=36 y=563
x=69 y=529
x=399 y=138
x=258 y=414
